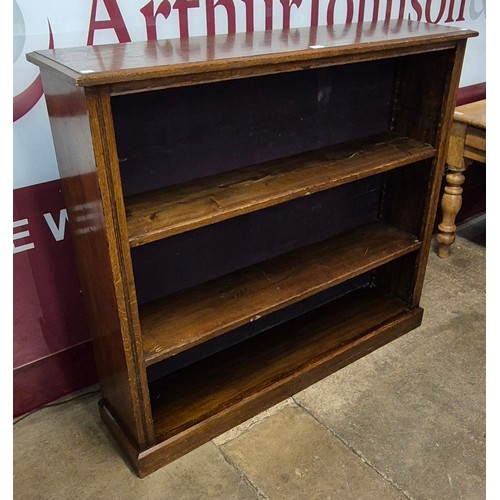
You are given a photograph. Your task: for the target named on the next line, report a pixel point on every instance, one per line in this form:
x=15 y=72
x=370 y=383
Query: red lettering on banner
x=460 y=17
x=330 y=12
x=249 y=15
x=26 y=99
x=148 y=11
x=428 y=7
x=287 y=7
x=361 y=12
x=401 y=13
x=182 y=6
x=269 y=14
x=418 y=9
x=115 y=22
x=230 y=12
x=314 y=12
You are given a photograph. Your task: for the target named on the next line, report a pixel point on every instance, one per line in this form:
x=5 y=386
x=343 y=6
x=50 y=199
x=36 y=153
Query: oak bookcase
x=250 y=212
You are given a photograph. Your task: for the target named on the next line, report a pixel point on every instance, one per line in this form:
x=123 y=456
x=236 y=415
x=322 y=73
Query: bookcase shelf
x=187 y=318
x=248 y=216
x=165 y=212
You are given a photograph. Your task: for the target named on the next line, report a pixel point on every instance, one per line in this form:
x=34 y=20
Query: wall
x=52 y=354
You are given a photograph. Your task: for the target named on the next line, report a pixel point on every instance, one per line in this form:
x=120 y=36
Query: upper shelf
x=277 y=50
x=155 y=215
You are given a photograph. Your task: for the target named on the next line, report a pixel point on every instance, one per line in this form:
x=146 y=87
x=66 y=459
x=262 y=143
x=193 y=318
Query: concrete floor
x=407 y=421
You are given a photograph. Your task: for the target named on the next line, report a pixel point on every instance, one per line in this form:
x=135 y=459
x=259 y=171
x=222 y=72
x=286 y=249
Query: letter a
x=115 y=22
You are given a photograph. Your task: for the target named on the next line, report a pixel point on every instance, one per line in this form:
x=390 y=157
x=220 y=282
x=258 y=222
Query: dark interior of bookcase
x=184 y=133
x=181 y=134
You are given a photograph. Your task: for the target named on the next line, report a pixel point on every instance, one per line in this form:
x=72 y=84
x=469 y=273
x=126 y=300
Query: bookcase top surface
x=123 y=62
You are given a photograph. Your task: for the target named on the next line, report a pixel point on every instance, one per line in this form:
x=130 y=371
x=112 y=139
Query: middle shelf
x=164 y=212
x=190 y=317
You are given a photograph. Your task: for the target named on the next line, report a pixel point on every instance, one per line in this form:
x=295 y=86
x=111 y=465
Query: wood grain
x=158 y=214
x=187 y=318
x=101 y=124
x=270 y=51
x=473 y=114
x=198 y=256
x=79 y=132
x=475 y=145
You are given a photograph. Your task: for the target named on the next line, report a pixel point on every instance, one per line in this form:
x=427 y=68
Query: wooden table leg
x=452 y=197
x=451 y=203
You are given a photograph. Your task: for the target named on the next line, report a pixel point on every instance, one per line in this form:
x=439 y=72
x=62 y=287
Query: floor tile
x=291 y=456
x=65 y=453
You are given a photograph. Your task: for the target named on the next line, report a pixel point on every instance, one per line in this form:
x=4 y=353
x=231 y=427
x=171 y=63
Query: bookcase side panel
x=103 y=135
x=95 y=245
x=425 y=94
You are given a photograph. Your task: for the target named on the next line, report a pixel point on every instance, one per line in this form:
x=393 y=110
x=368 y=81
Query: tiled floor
x=406 y=421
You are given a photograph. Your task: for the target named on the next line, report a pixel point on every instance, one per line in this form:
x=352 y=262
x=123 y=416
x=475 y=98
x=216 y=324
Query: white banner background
x=33 y=153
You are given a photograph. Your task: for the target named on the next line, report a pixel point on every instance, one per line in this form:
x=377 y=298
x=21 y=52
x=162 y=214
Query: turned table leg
x=451 y=203
x=452 y=197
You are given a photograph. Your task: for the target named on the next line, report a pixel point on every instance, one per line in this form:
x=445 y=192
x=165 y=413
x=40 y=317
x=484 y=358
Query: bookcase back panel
x=175 y=135
x=191 y=258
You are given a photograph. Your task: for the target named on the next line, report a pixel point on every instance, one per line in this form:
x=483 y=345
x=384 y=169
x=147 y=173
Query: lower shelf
x=199 y=402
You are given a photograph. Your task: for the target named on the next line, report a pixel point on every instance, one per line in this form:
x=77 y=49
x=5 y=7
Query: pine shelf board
x=178 y=322
x=165 y=212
